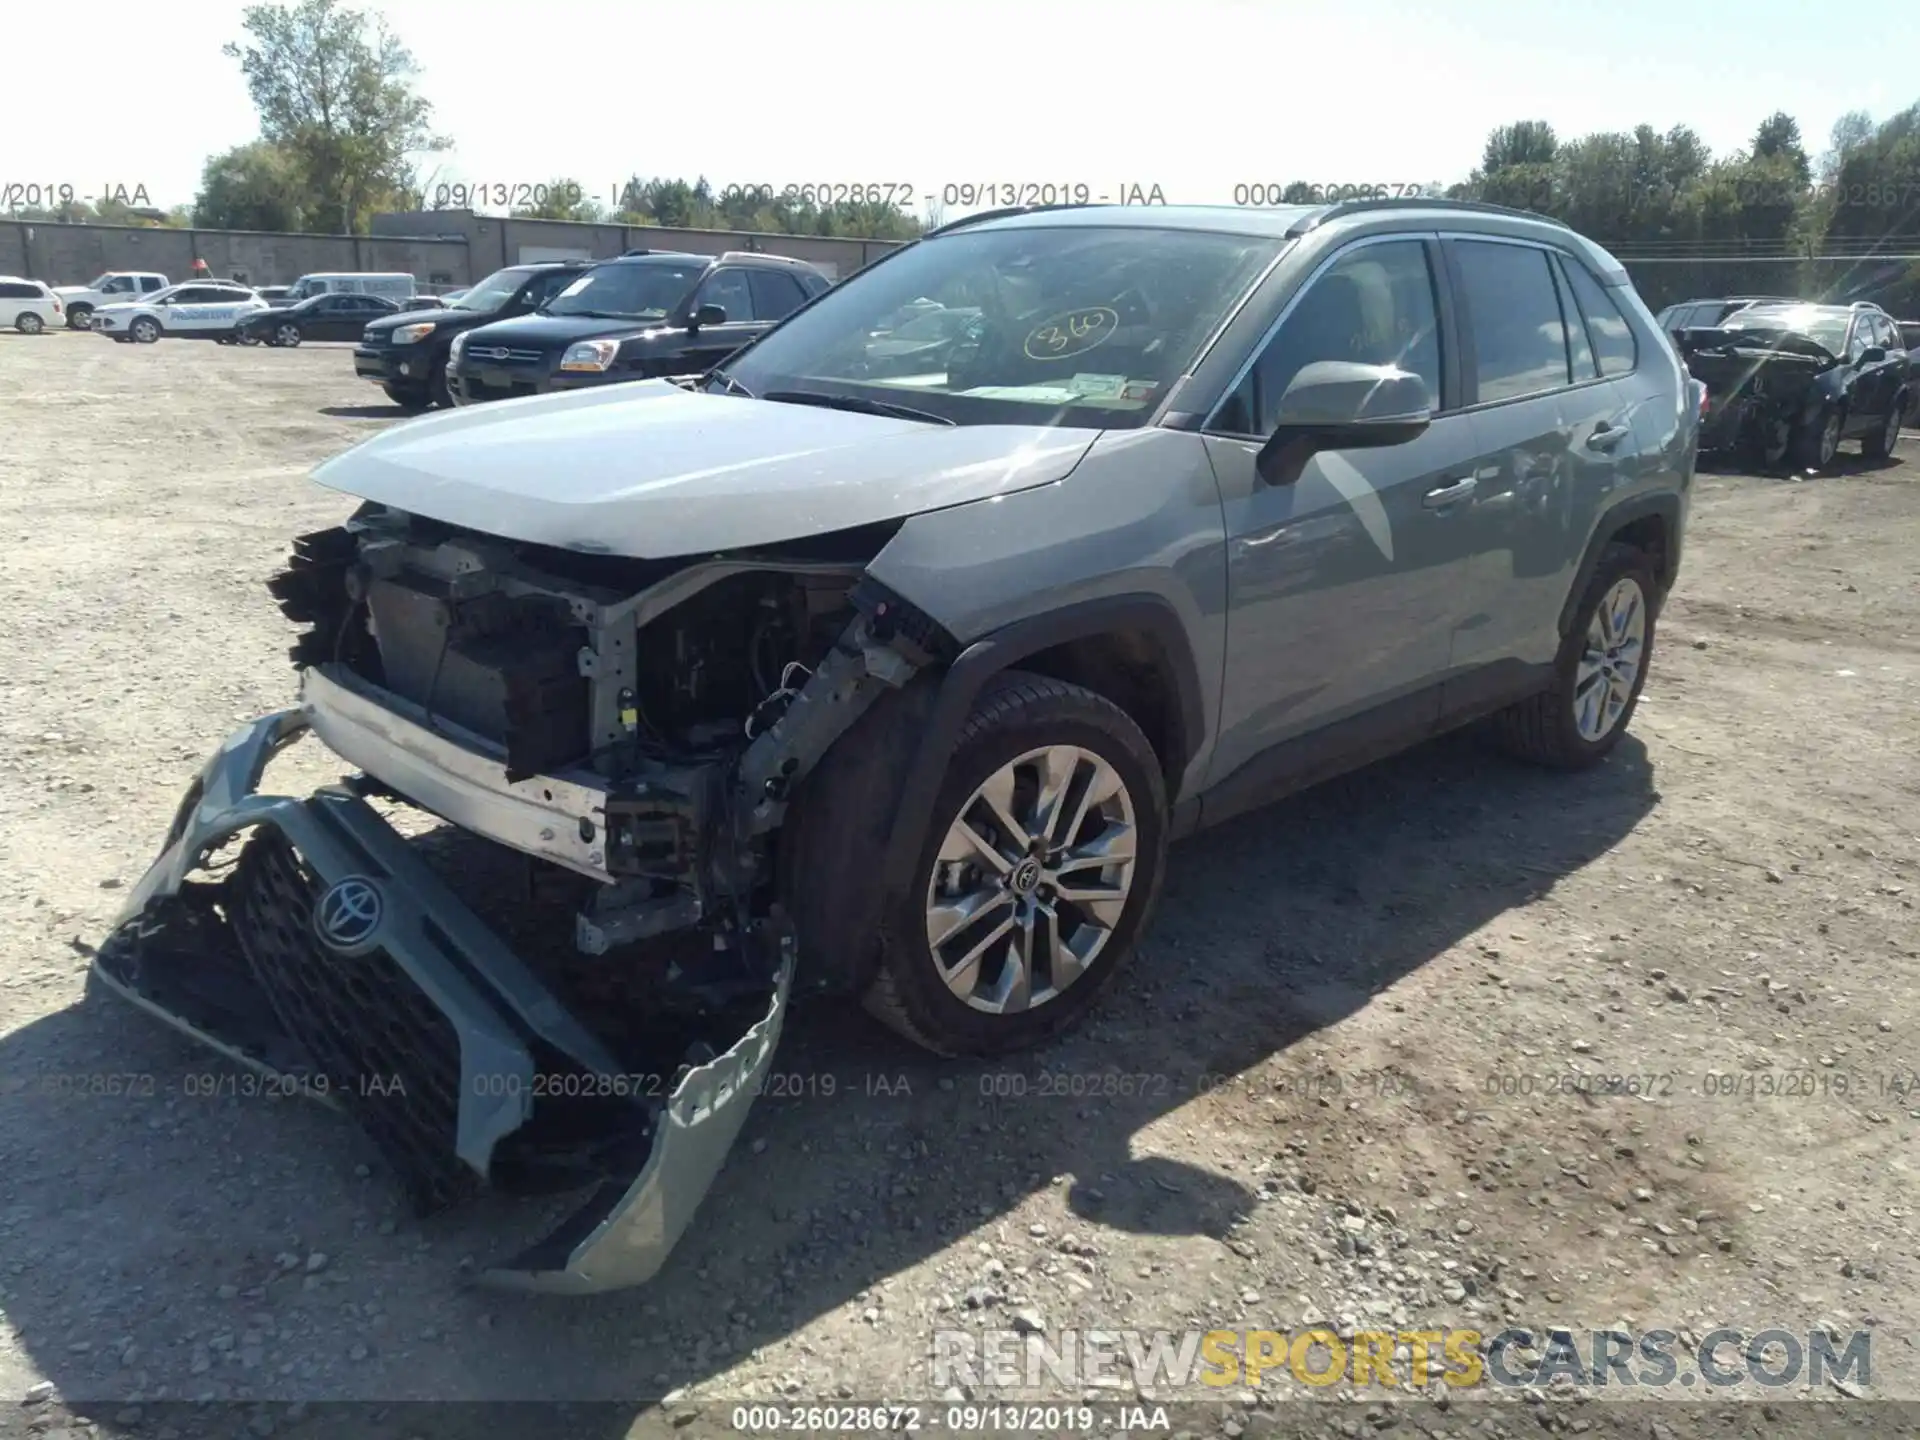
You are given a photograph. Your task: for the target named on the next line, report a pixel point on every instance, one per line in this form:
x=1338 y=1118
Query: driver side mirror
x=1873 y=354
x=1342 y=405
x=708 y=314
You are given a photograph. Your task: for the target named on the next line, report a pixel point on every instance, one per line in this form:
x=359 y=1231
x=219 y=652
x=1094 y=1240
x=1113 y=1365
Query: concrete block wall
x=445 y=247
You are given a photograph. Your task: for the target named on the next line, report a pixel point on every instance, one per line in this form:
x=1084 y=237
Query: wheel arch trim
x=1003 y=650
x=1664 y=506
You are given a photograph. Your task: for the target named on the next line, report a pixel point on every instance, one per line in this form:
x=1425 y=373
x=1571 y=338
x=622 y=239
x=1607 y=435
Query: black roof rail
x=1343 y=208
x=1002 y=213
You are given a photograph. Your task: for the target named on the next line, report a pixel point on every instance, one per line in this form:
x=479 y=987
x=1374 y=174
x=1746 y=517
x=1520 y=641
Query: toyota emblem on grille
x=348 y=913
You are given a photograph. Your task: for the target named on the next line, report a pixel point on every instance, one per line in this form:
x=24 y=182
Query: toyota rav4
x=888 y=667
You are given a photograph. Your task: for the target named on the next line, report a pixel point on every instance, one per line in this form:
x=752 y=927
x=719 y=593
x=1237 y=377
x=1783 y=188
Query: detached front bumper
x=417 y=1019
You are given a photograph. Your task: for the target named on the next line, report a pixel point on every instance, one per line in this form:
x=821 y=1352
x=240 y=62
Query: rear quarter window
x=1613 y=344
x=14 y=290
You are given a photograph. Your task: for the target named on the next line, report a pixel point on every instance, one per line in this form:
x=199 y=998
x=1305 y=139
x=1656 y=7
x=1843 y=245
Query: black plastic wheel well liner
x=1650 y=523
x=1141 y=625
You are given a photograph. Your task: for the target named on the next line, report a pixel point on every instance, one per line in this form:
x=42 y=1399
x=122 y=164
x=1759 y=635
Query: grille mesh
x=386 y=1050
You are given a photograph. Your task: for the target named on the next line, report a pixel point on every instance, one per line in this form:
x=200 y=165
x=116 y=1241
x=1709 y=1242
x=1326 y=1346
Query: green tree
x=257 y=186
x=1778 y=138
x=1525 y=142
x=334 y=90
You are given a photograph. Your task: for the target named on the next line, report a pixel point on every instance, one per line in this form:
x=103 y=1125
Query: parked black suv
x=647 y=314
x=406 y=355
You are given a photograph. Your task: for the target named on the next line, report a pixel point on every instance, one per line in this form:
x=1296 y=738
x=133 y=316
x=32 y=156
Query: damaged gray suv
x=886 y=659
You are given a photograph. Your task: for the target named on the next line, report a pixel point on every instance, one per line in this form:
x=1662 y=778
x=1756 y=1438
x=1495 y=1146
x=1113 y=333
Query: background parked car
x=395 y=285
x=1788 y=382
x=28 y=306
x=406 y=355
x=645 y=314
x=324 y=317
x=1700 y=314
x=196 y=310
x=275 y=295
x=115 y=287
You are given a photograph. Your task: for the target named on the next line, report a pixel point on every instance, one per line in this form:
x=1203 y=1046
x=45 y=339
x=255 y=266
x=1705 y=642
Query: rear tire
x=1581 y=716
x=79 y=317
x=287 y=337
x=29 y=323
x=1055 y=954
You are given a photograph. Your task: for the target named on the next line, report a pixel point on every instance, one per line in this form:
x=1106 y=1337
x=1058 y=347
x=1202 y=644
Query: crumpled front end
x=332 y=956
x=1760 y=385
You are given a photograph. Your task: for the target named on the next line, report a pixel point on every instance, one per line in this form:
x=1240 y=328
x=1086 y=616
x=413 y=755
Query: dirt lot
x=1350 y=1033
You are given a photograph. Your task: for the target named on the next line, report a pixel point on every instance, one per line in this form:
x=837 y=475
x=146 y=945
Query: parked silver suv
x=887 y=661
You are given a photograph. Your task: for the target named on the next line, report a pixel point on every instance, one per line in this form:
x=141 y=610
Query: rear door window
x=728 y=289
x=775 y=296
x=1513 y=311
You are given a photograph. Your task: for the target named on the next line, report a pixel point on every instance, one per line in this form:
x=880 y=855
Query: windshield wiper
x=728 y=384
x=858 y=404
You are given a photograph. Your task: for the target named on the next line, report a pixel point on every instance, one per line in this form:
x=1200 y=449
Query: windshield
x=1825 y=327
x=644 y=290
x=491 y=293
x=1073 y=325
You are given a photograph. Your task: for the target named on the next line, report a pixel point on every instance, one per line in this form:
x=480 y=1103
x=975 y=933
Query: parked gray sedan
x=892 y=674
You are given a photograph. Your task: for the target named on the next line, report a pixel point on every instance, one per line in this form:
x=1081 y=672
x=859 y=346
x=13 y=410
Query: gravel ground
x=1349 y=1031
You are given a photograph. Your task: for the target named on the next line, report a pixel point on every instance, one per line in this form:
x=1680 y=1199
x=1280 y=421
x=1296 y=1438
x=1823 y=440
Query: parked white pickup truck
x=116 y=287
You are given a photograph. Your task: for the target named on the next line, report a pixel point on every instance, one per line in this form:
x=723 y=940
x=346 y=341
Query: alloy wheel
x=1610 y=664
x=30 y=324
x=1032 y=879
x=288 y=335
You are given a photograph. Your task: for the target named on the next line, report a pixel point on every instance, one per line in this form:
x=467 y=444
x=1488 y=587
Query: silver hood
x=653 y=471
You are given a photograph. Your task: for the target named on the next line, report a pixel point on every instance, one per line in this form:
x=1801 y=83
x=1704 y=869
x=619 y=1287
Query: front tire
x=29 y=323
x=1817 y=443
x=1880 y=444
x=410 y=400
x=144 y=331
x=1598 y=674
x=1041 y=865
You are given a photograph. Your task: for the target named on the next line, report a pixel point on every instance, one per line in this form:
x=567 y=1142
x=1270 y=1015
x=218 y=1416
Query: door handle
x=1446 y=494
x=1606 y=435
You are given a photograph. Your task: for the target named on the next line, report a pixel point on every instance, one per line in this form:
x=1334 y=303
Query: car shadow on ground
x=1844 y=464
x=138 y=1218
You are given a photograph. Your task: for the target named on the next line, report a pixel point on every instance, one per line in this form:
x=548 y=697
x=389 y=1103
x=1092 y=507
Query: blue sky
x=1196 y=97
